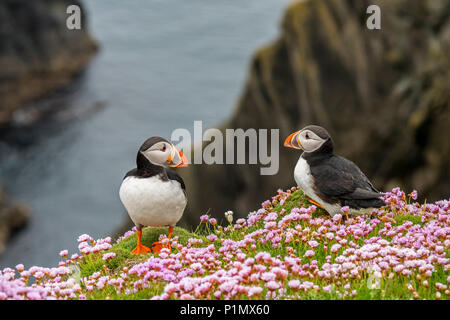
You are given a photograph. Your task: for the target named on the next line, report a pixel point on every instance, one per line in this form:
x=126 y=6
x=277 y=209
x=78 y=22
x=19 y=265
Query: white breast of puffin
x=152 y=201
x=304 y=179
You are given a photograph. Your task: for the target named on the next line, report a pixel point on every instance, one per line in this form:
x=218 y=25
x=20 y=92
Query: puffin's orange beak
x=177 y=159
x=292 y=142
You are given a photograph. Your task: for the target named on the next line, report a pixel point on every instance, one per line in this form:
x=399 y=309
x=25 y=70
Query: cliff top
x=288 y=249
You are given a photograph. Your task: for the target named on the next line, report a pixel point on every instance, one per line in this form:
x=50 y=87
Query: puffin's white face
x=305 y=139
x=165 y=154
x=309 y=141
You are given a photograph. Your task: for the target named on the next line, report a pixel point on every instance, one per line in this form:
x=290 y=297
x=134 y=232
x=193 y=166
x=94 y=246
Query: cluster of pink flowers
x=49 y=283
x=88 y=245
x=39 y=283
x=273 y=254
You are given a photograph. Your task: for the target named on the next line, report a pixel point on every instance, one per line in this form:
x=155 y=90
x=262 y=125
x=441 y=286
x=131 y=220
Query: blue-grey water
x=162 y=65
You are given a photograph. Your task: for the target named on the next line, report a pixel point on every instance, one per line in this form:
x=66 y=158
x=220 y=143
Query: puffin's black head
x=158 y=151
x=311 y=139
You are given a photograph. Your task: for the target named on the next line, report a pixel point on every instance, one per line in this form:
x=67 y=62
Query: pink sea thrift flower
x=109 y=256
x=309 y=253
x=294 y=284
x=313 y=244
x=273 y=285
x=253 y=291
x=266 y=203
x=335 y=248
x=84 y=237
x=413 y=195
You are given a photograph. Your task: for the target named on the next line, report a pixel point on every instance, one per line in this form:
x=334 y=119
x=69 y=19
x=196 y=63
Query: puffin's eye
x=307 y=135
x=163 y=148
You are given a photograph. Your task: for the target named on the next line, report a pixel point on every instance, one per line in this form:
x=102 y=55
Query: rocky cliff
x=12 y=217
x=38 y=53
x=383 y=95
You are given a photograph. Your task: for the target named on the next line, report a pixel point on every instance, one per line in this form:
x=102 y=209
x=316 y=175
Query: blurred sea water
x=162 y=65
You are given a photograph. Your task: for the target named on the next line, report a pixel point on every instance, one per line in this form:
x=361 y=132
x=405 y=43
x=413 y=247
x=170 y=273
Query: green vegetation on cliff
x=288 y=250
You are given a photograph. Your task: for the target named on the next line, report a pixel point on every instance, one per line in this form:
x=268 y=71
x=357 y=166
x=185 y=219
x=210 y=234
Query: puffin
x=330 y=181
x=153 y=195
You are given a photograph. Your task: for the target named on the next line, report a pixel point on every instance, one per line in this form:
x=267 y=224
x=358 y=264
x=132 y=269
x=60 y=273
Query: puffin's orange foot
x=140 y=249
x=158 y=246
x=316 y=204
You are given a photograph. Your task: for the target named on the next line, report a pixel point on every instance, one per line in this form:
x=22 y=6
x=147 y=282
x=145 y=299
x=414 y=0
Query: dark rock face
x=383 y=95
x=38 y=53
x=12 y=217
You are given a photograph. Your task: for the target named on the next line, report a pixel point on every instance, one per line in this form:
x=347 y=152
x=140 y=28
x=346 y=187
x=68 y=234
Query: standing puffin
x=153 y=195
x=330 y=181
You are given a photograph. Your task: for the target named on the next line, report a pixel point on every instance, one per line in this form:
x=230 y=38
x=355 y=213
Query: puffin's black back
x=340 y=180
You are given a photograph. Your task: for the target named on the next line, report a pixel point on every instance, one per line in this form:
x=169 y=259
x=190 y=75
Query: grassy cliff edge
x=288 y=249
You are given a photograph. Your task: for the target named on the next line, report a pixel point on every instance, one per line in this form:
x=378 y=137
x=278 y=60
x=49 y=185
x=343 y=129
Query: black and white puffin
x=153 y=195
x=330 y=181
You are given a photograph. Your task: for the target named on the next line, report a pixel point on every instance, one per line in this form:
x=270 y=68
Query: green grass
x=93 y=262
x=298 y=200
x=400 y=219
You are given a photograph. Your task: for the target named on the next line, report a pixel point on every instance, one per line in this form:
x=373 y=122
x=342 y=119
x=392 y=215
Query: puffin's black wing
x=131 y=173
x=339 y=178
x=174 y=176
